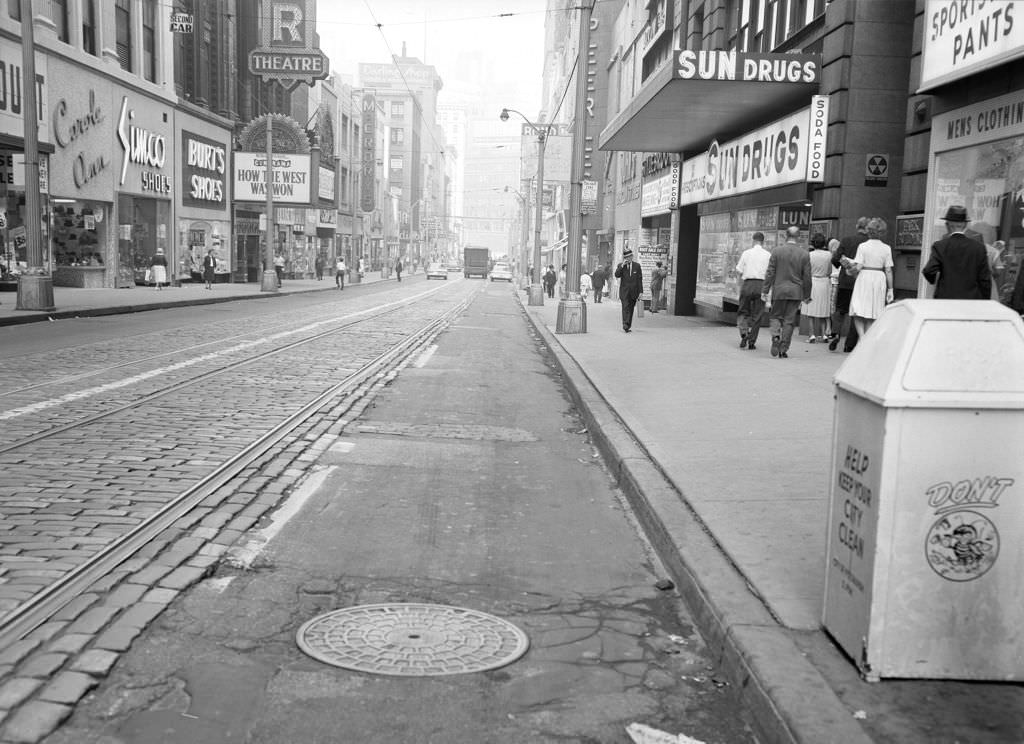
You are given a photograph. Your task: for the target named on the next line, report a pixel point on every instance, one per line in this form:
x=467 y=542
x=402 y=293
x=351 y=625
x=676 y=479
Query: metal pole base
x=572 y=316
x=268 y=282
x=536 y=296
x=35 y=292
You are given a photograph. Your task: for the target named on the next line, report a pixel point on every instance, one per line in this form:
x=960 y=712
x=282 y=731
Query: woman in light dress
x=821 y=269
x=872 y=289
x=158 y=269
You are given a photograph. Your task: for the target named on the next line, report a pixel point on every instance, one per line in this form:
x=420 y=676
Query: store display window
x=78 y=231
x=143 y=226
x=988 y=179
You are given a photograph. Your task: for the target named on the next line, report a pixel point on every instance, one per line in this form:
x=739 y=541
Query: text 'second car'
x=501 y=272
x=437 y=271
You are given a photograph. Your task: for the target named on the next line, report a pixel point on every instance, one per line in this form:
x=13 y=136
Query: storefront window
x=79 y=232
x=13 y=235
x=723 y=237
x=142 y=228
x=989 y=180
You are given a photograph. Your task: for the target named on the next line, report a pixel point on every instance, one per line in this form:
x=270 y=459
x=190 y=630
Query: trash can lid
x=940 y=354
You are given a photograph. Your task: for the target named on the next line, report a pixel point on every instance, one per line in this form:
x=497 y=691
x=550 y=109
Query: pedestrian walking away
x=398 y=269
x=550 y=279
x=842 y=325
x=751 y=267
x=209 y=266
x=958 y=265
x=872 y=267
x=318 y=266
x=597 y=279
x=562 y=289
x=158 y=269
x=631 y=285
x=817 y=310
x=339 y=273
x=586 y=285
x=788 y=282
x=279 y=268
x=833 y=246
x=657 y=286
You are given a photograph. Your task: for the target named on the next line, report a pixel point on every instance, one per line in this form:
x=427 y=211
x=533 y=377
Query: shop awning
x=557 y=247
x=707 y=95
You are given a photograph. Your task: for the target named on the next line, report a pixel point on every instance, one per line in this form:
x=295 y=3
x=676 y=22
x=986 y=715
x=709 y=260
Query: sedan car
x=501 y=272
x=436 y=271
x=453 y=266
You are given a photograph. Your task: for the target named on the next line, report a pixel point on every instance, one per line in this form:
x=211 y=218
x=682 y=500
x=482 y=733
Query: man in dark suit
x=788 y=279
x=631 y=284
x=958 y=265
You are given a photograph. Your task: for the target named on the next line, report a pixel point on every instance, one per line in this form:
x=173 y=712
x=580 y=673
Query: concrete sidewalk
x=725 y=455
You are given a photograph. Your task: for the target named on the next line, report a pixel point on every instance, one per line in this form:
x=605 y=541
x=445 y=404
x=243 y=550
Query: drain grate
x=412 y=640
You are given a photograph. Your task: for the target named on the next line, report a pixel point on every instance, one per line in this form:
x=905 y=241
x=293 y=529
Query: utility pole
x=268 y=281
x=572 y=310
x=35 y=286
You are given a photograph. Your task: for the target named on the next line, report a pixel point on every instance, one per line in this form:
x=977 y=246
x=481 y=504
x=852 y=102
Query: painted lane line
x=143 y=376
x=245 y=555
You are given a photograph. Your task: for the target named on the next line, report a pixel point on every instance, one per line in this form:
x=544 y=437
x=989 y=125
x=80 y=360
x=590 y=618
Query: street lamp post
x=523 y=256
x=572 y=310
x=536 y=296
x=35 y=286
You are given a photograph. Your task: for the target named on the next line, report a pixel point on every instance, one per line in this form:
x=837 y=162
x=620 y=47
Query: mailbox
x=925 y=548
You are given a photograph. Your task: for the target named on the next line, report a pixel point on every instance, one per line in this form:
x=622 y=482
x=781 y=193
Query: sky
x=498 y=43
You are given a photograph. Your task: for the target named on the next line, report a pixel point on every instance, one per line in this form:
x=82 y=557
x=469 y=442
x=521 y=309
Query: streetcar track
x=36 y=610
x=67 y=379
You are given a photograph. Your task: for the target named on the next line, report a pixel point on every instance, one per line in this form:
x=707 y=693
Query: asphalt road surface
x=468 y=482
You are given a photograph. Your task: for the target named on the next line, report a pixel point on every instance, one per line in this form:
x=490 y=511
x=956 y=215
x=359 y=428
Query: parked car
x=436 y=271
x=501 y=272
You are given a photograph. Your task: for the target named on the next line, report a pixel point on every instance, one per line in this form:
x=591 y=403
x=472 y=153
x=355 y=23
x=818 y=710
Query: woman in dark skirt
x=209 y=264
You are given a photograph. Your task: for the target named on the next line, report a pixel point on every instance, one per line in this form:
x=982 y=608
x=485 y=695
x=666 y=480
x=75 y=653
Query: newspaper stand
x=926 y=498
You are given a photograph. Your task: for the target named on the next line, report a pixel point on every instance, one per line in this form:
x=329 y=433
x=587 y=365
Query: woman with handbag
x=872 y=290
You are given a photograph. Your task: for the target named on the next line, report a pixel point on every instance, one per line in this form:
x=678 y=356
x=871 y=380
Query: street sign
x=876 y=169
x=181 y=23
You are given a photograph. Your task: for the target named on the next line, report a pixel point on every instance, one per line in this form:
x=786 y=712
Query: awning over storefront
x=707 y=95
x=545 y=249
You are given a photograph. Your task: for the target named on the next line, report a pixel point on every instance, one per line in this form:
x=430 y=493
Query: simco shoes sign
x=789 y=150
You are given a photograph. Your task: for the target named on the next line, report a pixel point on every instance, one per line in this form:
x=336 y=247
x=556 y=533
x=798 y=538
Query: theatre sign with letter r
x=287 y=53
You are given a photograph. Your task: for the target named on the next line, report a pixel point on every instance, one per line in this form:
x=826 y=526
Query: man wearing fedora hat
x=958 y=265
x=631 y=285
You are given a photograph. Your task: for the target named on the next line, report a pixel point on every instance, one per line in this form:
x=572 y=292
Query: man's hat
x=956 y=213
x=627 y=252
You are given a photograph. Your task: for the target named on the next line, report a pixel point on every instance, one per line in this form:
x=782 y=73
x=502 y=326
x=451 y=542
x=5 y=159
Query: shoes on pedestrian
x=743 y=342
x=783 y=355
x=751 y=347
x=812 y=339
x=775 y=346
x=833 y=343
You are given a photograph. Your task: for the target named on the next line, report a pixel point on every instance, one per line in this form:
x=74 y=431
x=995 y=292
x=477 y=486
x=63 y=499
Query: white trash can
x=925 y=554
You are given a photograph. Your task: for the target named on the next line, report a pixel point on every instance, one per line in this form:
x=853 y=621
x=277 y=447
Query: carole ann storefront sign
x=789 y=150
x=963 y=37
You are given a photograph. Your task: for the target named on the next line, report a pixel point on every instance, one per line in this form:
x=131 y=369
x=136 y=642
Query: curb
x=789 y=700
x=38 y=316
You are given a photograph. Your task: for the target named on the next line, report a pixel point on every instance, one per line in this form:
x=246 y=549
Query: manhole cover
x=413 y=640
